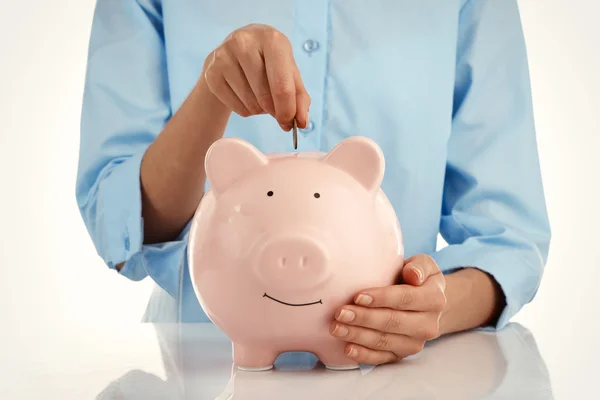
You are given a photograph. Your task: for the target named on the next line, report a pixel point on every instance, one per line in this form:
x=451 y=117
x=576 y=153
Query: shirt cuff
x=518 y=272
x=119 y=210
x=122 y=233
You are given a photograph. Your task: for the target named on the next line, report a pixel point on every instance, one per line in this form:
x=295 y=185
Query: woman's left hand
x=388 y=324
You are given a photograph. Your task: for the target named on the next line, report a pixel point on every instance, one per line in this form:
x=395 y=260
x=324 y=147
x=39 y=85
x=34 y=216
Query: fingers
x=428 y=297
x=254 y=72
x=394 y=322
x=399 y=345
x=280 y=67
x=366 y=356
x=237 y=81
x=253 y=67
x=302 y=101
x=418 y=325
x=418 y=269
x=226 y=95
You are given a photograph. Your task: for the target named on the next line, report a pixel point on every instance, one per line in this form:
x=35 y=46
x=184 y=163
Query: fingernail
x=417 y=271
x=364 y=300
x=340 y=330
x=352 y=352
x=346 y=316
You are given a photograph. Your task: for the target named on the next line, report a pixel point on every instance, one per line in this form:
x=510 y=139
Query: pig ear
x=361 y=158
x=228 y=160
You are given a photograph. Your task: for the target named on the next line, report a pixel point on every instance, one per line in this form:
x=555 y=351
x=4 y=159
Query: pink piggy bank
x=280 y=241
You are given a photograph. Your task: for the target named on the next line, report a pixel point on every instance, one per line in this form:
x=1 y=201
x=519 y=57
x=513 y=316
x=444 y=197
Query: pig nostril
x=282 y=261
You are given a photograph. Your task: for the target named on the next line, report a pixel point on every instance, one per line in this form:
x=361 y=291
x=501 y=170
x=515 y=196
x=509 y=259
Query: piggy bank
x=280 y=241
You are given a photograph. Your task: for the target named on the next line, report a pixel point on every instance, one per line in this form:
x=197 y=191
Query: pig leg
x=332 y=355
x=253 y=357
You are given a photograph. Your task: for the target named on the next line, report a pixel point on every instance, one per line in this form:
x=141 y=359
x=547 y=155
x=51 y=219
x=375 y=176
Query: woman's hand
x=254 y=72
x=391 y=323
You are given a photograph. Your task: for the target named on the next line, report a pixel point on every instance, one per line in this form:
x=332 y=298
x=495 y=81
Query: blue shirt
x=441 y=85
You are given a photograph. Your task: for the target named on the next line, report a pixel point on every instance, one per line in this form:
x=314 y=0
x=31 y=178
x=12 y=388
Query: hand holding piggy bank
x=280 y=241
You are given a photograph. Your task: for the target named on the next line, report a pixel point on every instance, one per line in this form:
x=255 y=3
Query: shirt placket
x=310 y=43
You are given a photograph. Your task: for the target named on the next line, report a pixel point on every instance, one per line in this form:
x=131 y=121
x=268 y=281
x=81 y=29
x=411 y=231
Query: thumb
x=418 y=269
x=413 y=274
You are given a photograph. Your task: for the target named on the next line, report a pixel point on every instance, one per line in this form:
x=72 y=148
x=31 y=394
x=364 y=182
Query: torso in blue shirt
x=441 y=85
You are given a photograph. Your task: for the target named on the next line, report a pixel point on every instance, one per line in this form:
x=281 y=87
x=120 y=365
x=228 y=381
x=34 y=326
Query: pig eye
x=317 y=195
x=270 y=193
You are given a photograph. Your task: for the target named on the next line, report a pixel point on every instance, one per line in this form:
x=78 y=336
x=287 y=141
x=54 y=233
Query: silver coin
x=295 y=134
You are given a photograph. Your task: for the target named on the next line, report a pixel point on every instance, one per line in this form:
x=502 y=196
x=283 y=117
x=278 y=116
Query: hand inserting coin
x=295 y=134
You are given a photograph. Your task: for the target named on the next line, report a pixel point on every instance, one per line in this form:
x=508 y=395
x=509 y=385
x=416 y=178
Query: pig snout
x=293 y=262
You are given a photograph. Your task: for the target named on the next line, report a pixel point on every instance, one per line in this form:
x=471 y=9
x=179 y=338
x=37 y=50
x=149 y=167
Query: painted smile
x=292 y=304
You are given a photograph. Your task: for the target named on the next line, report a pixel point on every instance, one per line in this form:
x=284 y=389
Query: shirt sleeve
x=125 y=106
x=493 y=213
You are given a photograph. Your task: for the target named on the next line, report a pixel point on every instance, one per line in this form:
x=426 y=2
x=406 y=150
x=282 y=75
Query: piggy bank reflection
x=280 y=241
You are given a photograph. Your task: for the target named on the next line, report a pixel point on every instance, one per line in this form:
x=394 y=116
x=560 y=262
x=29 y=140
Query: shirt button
x=309 y=128
x=310 y=46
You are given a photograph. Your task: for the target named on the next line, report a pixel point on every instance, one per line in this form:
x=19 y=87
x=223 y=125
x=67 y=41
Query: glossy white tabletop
x=143 y=362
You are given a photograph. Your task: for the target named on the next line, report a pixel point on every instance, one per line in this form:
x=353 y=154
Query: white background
x=52 y=284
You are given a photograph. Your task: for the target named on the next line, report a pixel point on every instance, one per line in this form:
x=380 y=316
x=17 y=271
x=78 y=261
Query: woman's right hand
x=254 y=72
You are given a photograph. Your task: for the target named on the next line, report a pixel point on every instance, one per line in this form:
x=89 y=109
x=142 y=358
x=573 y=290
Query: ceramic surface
x=280 y=241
